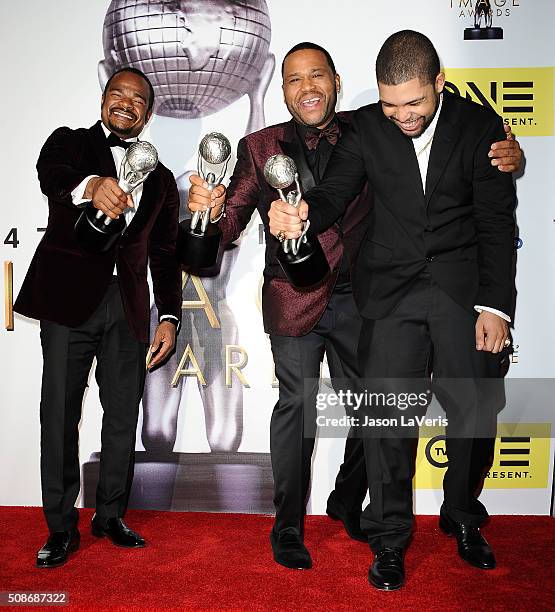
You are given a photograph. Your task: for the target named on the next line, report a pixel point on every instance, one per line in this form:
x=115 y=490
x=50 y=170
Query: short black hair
x=407 y=55
x=138 y=73
x=309 y=45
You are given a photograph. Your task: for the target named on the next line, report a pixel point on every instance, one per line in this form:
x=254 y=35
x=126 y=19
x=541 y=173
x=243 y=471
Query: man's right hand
x=201 y=198
x=287 y=220
x=106 y=195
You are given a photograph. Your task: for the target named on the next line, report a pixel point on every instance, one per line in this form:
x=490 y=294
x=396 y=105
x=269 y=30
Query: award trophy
x=483 y=11
x=301 y=259
x=95 y=231
x=199 y=237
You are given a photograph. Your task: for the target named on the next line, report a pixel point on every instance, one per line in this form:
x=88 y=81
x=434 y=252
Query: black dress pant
x=68 y=355
x=428 y=332
x=297 y=365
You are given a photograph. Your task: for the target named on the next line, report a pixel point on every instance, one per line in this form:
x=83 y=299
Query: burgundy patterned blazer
x=286 y=310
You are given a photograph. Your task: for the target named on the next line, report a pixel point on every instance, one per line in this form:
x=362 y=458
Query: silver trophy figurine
x=302 y=259
x=199 y=238
x=95 y=231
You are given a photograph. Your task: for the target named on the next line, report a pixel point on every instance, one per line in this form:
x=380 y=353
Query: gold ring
x=281 y=235
x=507 y=343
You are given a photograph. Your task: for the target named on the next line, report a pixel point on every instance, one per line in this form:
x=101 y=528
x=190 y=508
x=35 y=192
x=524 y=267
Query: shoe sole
x=293 y=567
x=386 y=588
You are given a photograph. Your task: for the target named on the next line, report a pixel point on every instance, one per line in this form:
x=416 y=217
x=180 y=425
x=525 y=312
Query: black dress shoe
x=472 y=545
x=290 y=551
x=350 y=520
x=58 y=547
x=117 y=531
x=387 y=571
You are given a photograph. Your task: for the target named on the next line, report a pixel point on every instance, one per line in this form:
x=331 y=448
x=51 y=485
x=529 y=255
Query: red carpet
x=197 y=561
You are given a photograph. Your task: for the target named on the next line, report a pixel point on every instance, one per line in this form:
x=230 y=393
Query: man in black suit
x=97 y=305
x=434 y=283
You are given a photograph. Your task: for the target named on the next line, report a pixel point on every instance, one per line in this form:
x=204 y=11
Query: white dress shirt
x=118 y=153
x=422 y=147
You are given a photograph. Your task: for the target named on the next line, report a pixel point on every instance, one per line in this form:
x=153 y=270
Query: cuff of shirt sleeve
x=171 y=319
x=79 y=191
x=494 y=311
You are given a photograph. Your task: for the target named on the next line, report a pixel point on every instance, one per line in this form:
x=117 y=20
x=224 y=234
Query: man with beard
x=434 y=284
x=303 y=325
x=97 y=305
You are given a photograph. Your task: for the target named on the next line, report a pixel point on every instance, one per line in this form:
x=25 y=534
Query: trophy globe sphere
x=200 y=55
x=279 y=171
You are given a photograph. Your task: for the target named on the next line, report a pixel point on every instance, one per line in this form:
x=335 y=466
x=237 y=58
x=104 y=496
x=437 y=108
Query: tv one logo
x=521 y=459
x=523 y=97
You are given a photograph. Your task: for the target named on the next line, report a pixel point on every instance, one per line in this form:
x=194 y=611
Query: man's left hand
x=491 y=332
x=163 y=343
x=506 y=154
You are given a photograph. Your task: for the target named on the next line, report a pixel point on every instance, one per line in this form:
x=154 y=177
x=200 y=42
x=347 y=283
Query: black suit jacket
x=460 y=228
x=65 y=284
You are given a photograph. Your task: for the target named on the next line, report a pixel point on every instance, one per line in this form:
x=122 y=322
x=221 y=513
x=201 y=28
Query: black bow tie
x=115 y=141
x=331 y=134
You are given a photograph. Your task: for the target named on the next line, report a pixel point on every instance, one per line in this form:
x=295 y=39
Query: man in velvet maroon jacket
x=97 y=305
x=302 y=324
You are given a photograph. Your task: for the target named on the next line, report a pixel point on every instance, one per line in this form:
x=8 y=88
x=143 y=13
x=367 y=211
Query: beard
x=119 y=130
x=427 y=120
x=327 y=114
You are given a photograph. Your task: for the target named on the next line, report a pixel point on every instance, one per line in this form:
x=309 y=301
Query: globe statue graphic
x=200 y=55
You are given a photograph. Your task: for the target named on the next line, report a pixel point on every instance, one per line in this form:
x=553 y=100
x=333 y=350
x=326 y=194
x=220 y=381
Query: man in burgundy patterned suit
x=303 y=325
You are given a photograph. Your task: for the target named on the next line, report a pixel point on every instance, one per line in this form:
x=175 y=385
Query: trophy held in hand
x=199 y=237
x=97 y=232
x=301 y=259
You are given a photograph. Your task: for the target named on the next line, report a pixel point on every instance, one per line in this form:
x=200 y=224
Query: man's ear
x=440 y=82
x=337 y=83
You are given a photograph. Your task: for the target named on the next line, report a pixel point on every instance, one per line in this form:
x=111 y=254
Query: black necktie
x=115 y=141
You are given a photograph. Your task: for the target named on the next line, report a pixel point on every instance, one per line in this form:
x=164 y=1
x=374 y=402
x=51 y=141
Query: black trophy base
x=92 y=233
x=308 y=267
x=483 y=33
x=198 y=250
x=194 y=482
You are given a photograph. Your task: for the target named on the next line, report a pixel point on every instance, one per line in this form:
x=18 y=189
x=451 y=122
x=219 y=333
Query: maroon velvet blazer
x=64 y=284
x=286 y=310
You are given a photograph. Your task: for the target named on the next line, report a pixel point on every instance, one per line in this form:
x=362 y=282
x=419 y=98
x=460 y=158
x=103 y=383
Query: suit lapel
x=102 y=151
x=403 y=155
x=150 y=189
x=445 y=138
x=292 y=146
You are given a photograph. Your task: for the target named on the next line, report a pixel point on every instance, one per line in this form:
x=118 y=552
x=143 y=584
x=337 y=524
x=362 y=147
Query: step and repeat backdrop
x=203 y=435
